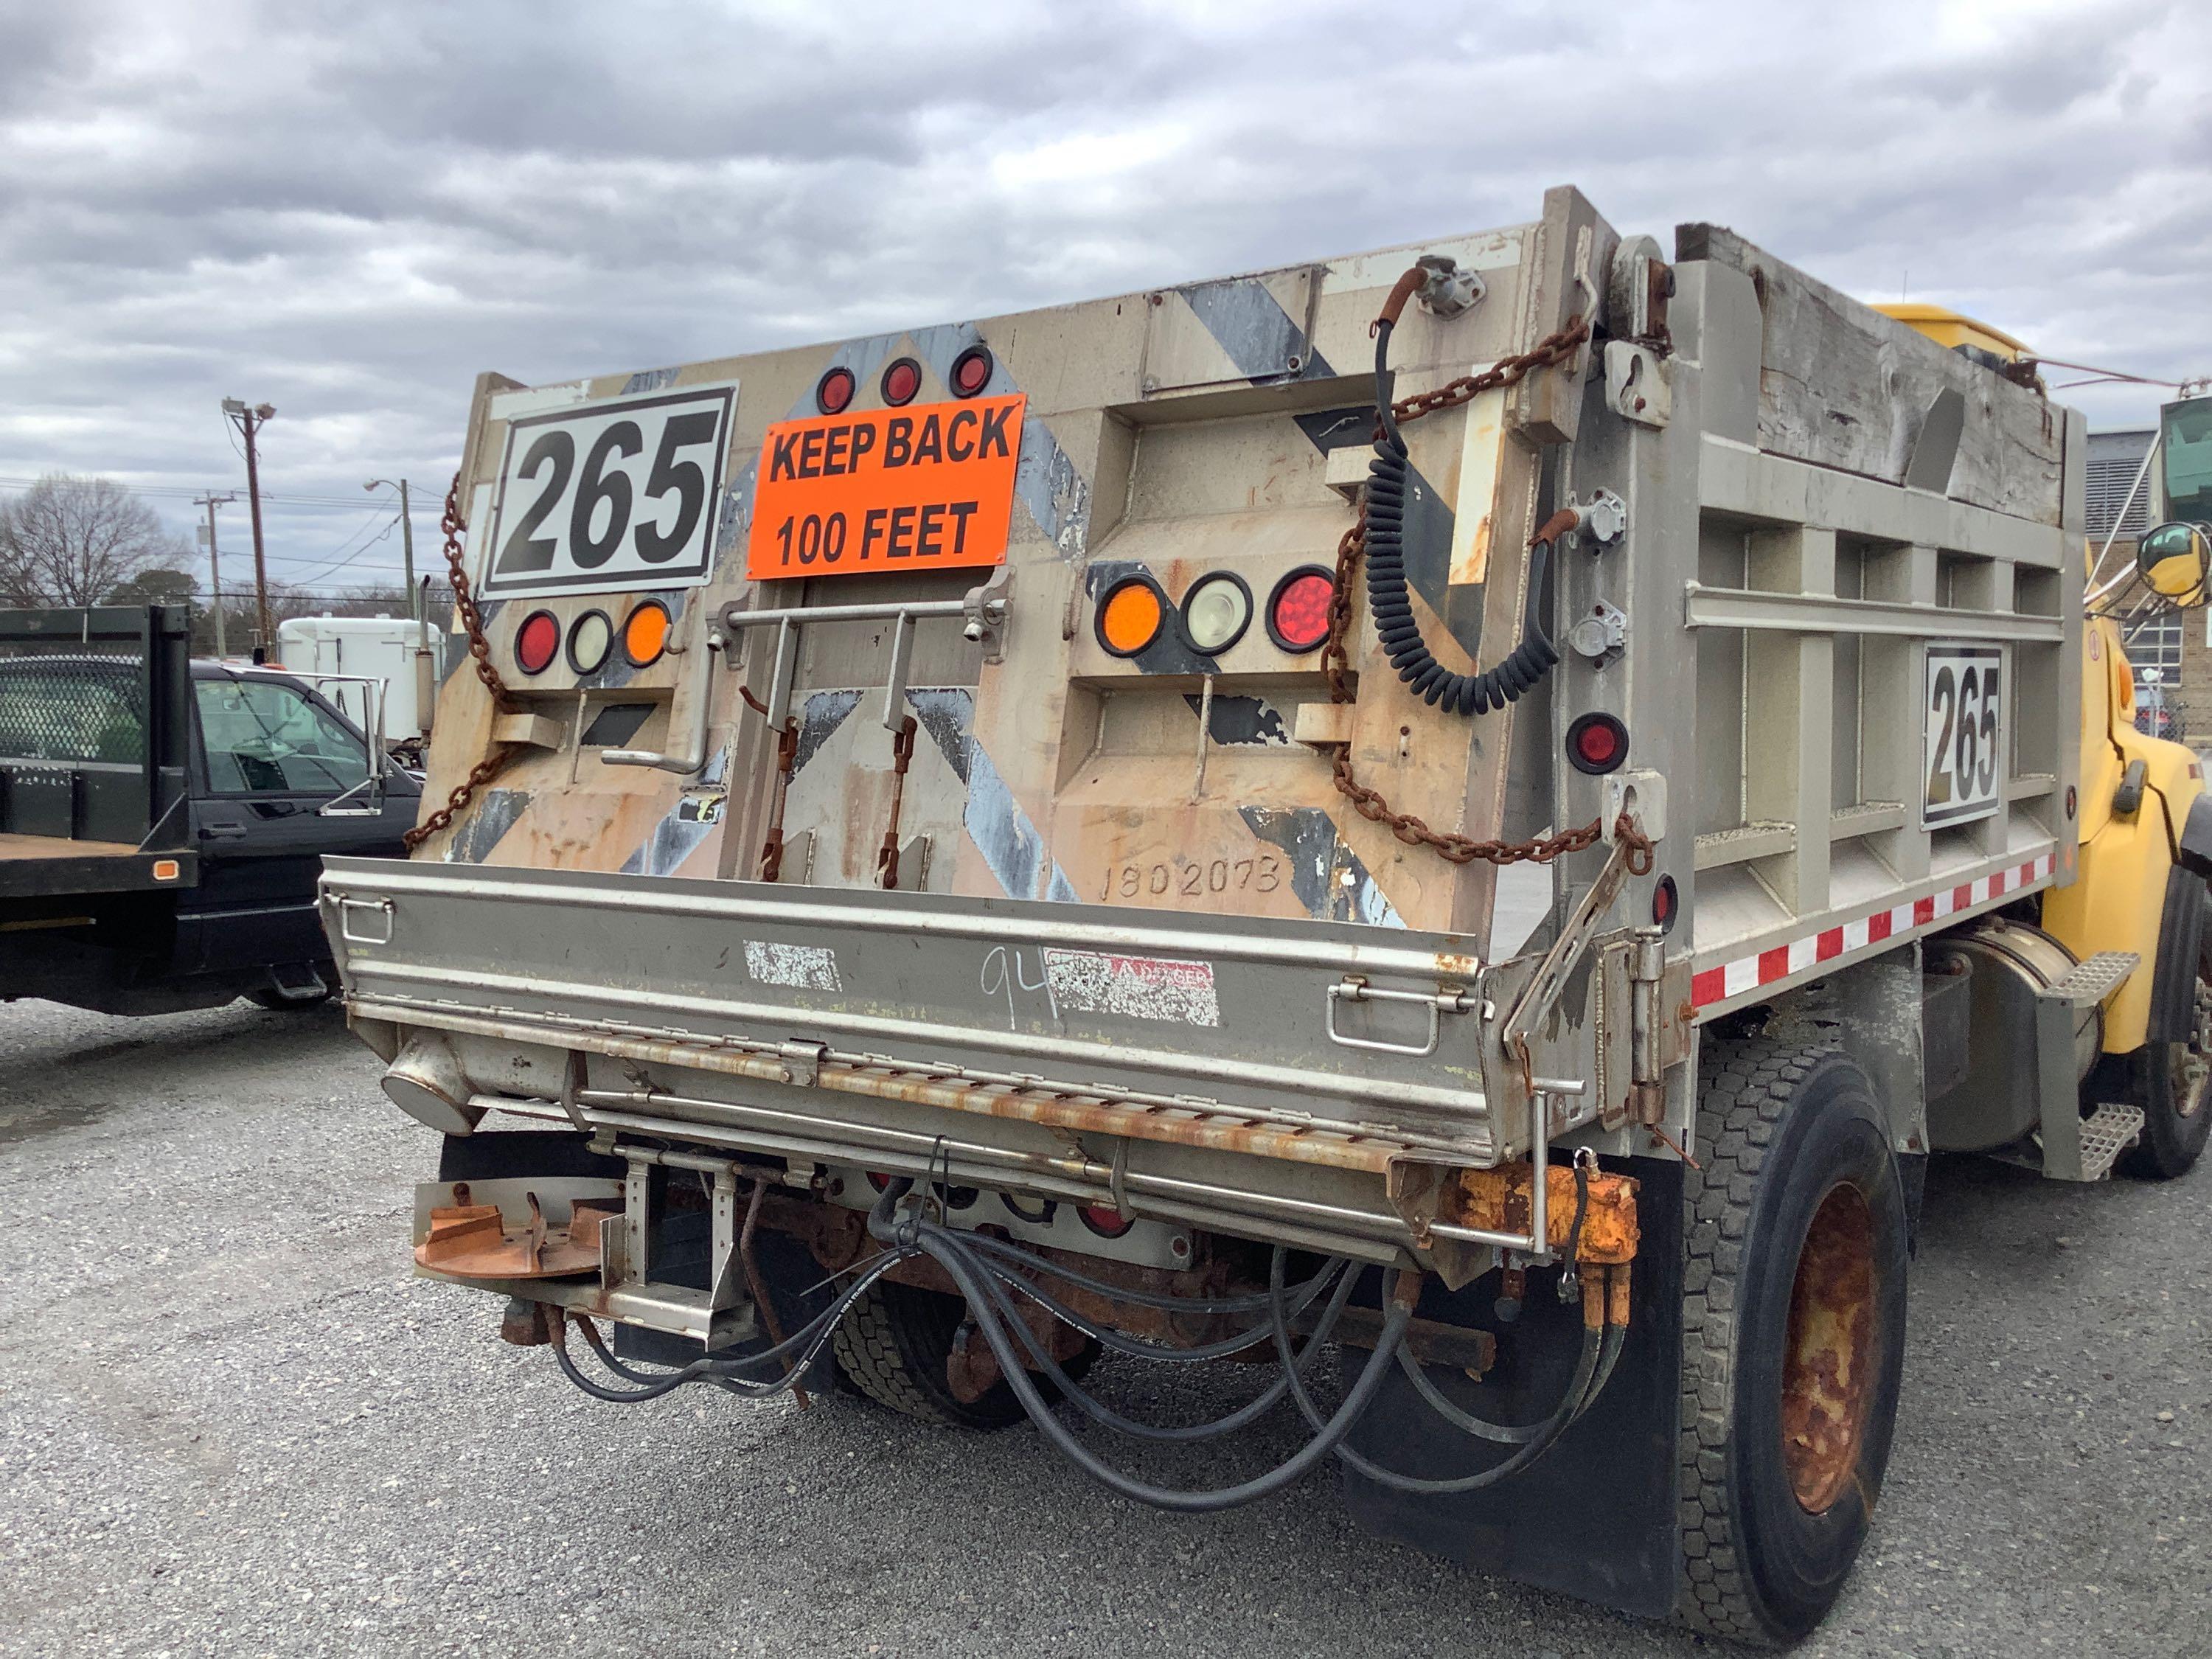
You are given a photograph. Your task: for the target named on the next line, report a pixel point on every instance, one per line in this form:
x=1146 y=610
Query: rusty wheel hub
x=1828 y=1369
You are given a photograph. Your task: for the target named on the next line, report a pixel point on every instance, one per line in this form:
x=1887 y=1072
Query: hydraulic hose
x=1541 y=1440
x=1258 y=1302
x=973 y=1284
x=728 y=1373
x=1244 y=1415
x=1300 y=1298
x=1389 y=482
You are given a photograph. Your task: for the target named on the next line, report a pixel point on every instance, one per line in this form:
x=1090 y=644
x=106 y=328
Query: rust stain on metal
x=1829 y=1367
x=1498 y=1201
x=1176 y=1126
x=469 y=1241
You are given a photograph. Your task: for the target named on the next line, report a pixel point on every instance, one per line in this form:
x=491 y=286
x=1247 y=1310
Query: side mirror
x=2175 y=559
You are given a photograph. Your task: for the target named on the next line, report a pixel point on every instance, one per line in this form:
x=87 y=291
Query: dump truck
x=1459 y=821
x=163 y=820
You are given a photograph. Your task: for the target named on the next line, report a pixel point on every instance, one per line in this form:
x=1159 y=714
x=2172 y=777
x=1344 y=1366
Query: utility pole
x=406 y=542
x=250 y=421
x=212 y=500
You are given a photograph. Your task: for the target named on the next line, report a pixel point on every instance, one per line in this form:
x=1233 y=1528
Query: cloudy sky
x=349 y=209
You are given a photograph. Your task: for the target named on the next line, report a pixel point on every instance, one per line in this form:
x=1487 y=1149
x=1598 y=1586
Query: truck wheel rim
x=1829 y=1373
x=2192 y=1067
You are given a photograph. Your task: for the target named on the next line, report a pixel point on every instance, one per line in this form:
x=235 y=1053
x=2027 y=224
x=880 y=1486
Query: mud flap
x=1594 y=1517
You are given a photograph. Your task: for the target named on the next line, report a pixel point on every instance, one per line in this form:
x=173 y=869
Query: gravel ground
x=230 y=1421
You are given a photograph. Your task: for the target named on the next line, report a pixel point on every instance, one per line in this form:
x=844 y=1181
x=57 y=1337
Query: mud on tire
x=1790 y=1377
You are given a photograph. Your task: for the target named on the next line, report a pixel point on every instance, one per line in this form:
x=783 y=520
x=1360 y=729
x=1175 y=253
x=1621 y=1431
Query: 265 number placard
x=1968 y=734
x=613 y=496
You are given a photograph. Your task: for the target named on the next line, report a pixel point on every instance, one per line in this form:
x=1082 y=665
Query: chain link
x=464 y=605
x=1557 y=347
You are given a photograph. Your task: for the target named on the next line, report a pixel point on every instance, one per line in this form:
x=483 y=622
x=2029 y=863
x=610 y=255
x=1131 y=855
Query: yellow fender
x=2118 y=892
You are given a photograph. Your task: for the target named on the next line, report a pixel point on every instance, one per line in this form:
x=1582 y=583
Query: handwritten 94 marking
x=1005 y=972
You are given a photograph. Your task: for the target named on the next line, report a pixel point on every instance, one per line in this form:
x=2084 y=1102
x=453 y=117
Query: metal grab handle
x=693 y=757
x=1353 y=989
x=345 y=923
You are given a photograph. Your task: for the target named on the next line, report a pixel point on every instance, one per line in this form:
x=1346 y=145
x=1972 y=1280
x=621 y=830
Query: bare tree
x=73 y=540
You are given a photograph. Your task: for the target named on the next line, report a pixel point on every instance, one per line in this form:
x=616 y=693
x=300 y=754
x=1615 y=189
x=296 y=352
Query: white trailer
x=406 y=657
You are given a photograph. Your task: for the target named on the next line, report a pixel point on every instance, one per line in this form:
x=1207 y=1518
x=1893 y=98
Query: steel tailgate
x=1274 y=1023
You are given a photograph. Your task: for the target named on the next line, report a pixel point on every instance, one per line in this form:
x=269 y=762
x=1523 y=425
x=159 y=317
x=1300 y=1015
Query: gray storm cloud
x=350 y=209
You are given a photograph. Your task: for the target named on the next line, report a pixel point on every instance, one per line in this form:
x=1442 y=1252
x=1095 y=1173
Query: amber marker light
x=1130 y=616
x=645 y=634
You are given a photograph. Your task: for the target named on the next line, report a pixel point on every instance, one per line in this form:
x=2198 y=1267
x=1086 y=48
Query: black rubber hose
x=1249 y=1413
x=1258 y=1302
x=1388 y=481
x=1571 y=1404
x=1300 y=1299
x=808 y=1338
x=971 y=1284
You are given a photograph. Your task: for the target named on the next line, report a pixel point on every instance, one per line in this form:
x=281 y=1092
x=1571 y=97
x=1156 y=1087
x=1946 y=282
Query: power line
x=185 y=492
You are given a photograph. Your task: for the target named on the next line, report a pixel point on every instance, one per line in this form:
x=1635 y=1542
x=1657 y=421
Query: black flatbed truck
x=163 y=821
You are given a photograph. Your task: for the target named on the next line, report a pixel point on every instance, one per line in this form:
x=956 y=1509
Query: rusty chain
x=465 y=606
x=1558 y=347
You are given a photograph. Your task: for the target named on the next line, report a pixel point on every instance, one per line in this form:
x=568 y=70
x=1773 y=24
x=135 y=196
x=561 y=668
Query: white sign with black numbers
x=1968 y=733
x=613 y=496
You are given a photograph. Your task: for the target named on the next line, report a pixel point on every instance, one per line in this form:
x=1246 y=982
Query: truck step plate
x=2094 y=979
x=2106 y=1133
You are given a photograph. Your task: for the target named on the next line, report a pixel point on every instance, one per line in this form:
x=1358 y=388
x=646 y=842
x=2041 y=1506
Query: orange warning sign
x=914 y=489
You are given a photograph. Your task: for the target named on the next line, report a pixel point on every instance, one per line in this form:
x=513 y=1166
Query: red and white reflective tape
x=1734 y=978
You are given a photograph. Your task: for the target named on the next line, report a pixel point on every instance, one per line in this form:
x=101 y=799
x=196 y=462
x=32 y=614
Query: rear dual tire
x=893 y=1346
x=1793 y=1336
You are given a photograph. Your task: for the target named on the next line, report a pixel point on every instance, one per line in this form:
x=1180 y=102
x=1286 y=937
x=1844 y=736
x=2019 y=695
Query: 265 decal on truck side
x=1482 y=806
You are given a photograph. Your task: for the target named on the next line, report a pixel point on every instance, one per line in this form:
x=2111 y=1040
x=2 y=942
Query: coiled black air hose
x=1389 y=478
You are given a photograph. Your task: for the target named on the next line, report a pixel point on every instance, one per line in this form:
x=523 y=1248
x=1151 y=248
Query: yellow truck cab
x=1486 y=805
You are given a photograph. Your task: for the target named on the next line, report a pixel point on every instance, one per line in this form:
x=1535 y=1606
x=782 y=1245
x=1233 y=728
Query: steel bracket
x=1635 y=384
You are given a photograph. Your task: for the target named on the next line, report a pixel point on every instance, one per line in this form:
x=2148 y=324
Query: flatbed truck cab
x=1485 y=803
x=163 y=820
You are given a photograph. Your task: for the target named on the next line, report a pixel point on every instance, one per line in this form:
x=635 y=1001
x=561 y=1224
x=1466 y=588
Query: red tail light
x=1105 y=1220
x=901 y=379
x=1297 y=610
x=971 y=371
x=1597 y=743
x=834 y=391
x=536 y=641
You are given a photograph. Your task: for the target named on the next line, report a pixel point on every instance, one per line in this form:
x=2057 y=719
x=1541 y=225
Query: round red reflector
x=902 y=381
x=536 y=641
x=878 y=1181
x=1662 y=904
x=1105 y=1220
x=971 y=371
x=834 y=391
x=1597 y=743
x=1297 y=610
